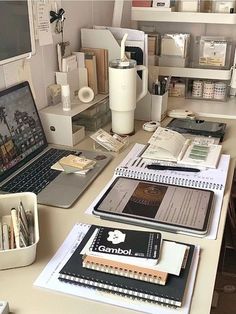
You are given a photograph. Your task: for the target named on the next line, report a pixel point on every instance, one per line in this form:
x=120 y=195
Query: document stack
x=136 y=264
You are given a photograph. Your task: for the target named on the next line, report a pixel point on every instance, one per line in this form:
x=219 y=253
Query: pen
x=161 y=167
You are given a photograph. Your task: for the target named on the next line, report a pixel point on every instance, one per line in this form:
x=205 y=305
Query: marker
x=161 y=167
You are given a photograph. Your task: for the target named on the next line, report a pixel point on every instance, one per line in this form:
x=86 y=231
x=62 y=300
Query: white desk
x=16 y=285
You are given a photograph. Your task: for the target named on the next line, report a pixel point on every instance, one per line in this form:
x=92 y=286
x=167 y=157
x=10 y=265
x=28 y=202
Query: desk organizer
x=159 y=107
x=26 y=255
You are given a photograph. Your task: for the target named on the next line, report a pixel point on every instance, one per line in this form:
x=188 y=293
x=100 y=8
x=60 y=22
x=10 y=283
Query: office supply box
x=23 y=256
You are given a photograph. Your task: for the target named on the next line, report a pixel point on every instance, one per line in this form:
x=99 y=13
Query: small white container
x=26 y=255
x=159 y=107
x=65 y=97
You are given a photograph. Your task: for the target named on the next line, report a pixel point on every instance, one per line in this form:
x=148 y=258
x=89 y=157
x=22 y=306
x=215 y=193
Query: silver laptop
x=26 y=158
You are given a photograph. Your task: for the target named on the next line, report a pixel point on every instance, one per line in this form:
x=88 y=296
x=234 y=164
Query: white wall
x=78 y=14
x=44 y=63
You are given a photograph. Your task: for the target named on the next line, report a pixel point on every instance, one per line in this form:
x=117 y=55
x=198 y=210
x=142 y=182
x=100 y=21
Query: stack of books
x=135 y=264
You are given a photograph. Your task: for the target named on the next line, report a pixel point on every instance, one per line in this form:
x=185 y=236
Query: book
x=141 y=3
x=141 y=247
x=91 y=66
x=102 y=67
x=168 y=145
x=172 y=293
x=124 y=269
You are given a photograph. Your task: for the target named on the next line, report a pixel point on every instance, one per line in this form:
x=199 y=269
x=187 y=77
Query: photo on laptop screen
x=170 y=207
x=21 y=133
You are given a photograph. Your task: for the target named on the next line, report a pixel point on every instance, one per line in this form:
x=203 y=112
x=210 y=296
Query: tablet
x=156 y=205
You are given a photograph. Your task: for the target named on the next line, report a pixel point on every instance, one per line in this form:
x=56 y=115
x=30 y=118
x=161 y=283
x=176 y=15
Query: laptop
x=26 y=158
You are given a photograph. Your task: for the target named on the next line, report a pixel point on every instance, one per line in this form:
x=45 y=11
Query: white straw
x=122 y=47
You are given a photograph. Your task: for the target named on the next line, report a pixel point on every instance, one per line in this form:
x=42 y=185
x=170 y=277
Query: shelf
x=58 y=124
x=154 y=15
x=76 y=107
x=205 y=108
x=195 y=73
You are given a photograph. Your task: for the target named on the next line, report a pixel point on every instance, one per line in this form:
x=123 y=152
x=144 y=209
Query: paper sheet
x=44 y=28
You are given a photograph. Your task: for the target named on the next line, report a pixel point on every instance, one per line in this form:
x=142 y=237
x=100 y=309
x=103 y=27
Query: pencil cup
x=159 y=107
x=23 y=256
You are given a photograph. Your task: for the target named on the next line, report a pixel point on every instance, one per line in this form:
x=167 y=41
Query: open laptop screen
x=21 y=133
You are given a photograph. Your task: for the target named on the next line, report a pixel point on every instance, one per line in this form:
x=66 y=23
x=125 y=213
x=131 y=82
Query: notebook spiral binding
x=104 y=286
x=167 y=179
x=126 y=271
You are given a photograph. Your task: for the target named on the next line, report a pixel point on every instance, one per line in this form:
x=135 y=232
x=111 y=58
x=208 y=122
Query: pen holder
x=17 y=257
x=159 y=107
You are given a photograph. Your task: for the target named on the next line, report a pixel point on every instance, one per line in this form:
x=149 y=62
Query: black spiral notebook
x=171 y=294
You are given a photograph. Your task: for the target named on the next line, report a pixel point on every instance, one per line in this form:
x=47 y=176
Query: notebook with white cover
x=169 y=145
x=166 y=144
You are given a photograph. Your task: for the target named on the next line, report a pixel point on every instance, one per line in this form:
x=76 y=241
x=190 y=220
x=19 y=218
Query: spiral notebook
x=48 y=279
x=133 y=166
x=172 y=293
x=125 y=270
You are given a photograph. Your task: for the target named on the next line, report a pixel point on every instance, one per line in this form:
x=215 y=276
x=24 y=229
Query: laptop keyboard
x=37 y=175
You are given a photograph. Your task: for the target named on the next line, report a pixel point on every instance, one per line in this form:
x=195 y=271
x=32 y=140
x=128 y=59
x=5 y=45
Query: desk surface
x=17 y=284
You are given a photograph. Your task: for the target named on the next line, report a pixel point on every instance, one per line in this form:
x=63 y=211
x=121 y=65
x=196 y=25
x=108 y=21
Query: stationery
x=127 y=245
x=171 y=294
x=125 y=270
x=168 y=145
x=174 y=168
x=48 y=279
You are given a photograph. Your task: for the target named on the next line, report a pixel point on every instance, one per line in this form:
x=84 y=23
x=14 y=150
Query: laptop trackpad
x=65 y=189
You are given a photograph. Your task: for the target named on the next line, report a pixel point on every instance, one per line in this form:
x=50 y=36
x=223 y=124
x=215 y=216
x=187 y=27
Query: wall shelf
x=205 y=108
x=154 y=15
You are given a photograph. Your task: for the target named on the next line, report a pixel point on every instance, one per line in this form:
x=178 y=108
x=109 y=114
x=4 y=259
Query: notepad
x=135 y=247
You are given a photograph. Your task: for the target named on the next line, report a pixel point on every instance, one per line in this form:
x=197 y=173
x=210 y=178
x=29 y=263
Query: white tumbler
x=122 y=94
